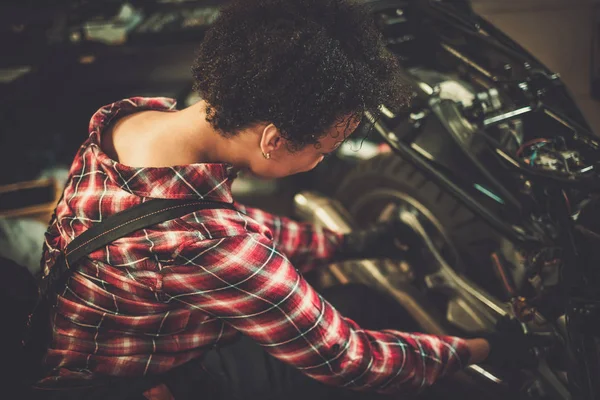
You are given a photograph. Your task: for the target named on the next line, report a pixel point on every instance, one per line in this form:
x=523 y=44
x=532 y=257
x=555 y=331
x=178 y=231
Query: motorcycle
x=495 y=170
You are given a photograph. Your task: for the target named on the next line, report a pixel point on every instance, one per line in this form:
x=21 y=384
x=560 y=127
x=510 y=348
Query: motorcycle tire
x=370 y=185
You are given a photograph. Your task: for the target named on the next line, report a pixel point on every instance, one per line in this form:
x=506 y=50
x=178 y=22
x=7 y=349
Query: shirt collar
x=202 y=181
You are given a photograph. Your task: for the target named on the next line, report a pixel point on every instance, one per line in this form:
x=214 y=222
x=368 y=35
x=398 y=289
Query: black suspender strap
x=130 y=220
x=117 y=226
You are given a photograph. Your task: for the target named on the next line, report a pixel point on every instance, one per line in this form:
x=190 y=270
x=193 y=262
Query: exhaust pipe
x=321 y=210
x=394 y=281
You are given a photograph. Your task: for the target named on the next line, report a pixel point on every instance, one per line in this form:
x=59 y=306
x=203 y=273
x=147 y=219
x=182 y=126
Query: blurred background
x=62 y=60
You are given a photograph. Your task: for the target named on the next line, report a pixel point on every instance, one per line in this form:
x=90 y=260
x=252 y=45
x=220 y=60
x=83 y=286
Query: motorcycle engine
x=475 y=102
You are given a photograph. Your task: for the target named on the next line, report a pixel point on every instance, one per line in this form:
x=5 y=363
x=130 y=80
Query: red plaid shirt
x=164 y=295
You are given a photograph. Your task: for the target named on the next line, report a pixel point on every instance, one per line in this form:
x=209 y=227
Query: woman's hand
x=382 y=240
x=480 y=350
x=508 y=346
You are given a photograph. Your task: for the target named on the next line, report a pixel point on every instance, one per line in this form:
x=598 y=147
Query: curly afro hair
x=299 y=64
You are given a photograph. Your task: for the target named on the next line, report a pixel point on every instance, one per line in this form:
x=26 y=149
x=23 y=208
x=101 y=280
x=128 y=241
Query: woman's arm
x=247 y=283
x=304 y=244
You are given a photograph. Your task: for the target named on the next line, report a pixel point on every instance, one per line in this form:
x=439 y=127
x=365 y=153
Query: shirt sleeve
x=246 y=282
x=305 y=244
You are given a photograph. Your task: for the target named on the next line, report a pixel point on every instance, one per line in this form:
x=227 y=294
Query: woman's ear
x=270 y=140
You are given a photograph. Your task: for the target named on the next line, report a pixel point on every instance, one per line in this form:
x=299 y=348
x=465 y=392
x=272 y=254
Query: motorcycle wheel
x=464 y=240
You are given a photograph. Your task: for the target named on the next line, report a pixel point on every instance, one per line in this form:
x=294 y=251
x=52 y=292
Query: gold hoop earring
x=266 y=155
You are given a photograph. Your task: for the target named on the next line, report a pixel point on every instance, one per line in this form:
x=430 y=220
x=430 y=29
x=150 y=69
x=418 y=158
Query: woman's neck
x=164 y=139
x=204 y=143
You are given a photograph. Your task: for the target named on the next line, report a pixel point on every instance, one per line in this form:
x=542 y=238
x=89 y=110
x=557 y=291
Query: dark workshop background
x=62 y=60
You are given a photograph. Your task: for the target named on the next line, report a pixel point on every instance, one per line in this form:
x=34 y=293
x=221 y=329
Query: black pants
x=243 y=370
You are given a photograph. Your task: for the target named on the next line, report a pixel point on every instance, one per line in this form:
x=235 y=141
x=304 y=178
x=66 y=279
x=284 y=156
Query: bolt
x=75 y=37
x=417 y=116
x=405 y=267
x=527 y=187
x=523 y=311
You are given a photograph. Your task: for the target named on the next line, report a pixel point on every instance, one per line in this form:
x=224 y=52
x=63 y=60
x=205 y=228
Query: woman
x=283 y=83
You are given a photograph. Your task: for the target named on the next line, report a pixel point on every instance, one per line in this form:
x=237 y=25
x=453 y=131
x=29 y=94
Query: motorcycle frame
x=581 y=313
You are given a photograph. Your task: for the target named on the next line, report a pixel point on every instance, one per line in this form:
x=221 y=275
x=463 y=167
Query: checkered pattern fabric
x=157 y=298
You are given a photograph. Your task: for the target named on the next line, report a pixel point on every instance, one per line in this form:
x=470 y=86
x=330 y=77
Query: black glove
x=511 y=348
x=382 y=240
